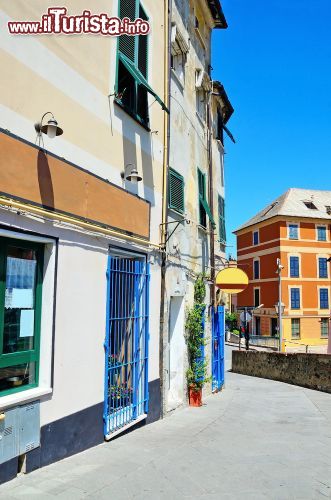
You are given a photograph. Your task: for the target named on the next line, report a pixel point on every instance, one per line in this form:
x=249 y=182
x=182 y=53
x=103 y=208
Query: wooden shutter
x=202 y=196
x=176 y=191
x=127 y=43
x=221 y=212
x=143 y=47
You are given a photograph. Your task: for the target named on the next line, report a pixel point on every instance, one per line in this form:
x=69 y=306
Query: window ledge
x=23 y=397
x=202 y=228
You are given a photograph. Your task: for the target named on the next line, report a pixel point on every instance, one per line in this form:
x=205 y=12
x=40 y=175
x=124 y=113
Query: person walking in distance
x=246 y=330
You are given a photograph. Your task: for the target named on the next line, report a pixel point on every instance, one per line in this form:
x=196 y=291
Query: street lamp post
x=280 y=306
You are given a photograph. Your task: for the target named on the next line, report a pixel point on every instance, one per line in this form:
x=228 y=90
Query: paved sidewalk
x=258 y=439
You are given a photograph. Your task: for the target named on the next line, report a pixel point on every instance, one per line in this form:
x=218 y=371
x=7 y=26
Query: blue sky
x=275 y=63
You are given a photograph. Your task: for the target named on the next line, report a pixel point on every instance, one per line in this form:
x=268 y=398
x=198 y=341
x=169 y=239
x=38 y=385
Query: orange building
x=296 y=229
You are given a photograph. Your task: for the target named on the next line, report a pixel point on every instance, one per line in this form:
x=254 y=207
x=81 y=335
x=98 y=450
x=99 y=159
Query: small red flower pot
x=195 y=396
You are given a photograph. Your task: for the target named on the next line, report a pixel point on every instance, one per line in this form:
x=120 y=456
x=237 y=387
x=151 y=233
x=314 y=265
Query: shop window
x=21 y=271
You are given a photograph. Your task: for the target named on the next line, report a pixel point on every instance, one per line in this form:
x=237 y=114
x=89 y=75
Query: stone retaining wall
x=307 y=370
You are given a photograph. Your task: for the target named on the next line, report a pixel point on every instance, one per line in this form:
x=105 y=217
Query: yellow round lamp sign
x=232 y=280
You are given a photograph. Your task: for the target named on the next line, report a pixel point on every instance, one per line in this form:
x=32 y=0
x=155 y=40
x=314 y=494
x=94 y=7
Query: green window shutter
x=143 y=47
x=221 y=212
x=176 y=191
x=127 y=44
x=140 y=79
x=202 y=194
x=204 y=208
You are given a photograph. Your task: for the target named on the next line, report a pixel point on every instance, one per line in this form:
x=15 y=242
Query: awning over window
x=227 y=131
x=208 y=211
x=137 y=75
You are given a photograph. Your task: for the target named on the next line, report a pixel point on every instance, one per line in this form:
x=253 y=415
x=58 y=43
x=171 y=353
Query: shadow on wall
x=45 y=181
x=133 y=132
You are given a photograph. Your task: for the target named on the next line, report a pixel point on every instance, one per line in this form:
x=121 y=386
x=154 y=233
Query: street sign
x=245 y=316
x=232 y=280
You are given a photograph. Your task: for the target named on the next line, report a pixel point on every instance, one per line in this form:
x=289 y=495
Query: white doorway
x=176 y=353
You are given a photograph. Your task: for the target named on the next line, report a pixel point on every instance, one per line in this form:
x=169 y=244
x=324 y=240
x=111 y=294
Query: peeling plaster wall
x=189 y=246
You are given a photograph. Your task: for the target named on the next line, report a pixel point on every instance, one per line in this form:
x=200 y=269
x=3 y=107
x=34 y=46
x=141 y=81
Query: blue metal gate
x=126 y=343
x=218 y=331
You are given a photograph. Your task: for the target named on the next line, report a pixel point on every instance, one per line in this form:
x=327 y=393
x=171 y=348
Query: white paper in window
x=27 y=323
x=22 y=298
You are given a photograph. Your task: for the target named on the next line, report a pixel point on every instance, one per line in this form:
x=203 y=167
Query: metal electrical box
x=8 y=435
x=19 y=430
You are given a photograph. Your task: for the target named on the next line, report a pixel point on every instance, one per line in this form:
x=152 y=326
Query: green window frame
x=324 y=328
x=295 y=328
x=221 y=214
x=30 y=355
x=132 y=66
x=204 y=208
x=176 y=191
x=132 y=88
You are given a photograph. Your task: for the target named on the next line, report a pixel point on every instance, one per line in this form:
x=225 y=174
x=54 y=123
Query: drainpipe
x=166 y=154
x=211 y=202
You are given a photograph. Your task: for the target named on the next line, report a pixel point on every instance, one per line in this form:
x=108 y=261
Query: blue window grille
x=322 y=267
x=324 y=298
x=255 y=238
x=321 y=233
x=295 y=298
x=256 y=269
x=293 y=231
x=218 y=332
x=126 y=343
x=294 y=267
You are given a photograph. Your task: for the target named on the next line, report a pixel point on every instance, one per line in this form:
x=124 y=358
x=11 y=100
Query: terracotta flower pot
x=195 y=396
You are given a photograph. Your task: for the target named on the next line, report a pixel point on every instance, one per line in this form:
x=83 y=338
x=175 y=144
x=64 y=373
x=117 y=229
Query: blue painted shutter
x=294 y=267
x=324 y=298
x=323 y=267
x=295 y=298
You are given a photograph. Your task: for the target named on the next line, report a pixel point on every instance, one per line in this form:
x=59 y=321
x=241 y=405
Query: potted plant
x=196 y=373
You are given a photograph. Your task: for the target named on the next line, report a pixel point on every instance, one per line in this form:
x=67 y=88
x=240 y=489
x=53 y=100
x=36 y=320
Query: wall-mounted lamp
x=51 y=129
x=132 y=175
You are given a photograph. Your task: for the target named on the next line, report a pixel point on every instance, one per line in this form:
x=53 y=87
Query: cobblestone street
x=256 y=439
